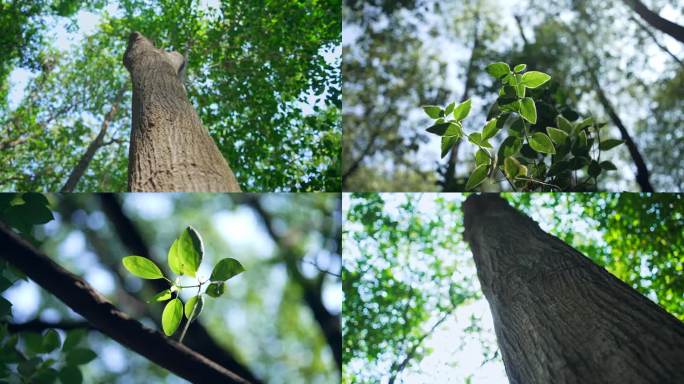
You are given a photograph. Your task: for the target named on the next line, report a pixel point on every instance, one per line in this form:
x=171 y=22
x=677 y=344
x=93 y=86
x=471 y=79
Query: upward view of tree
x=263 y=78
x=582 y=45
x=452 y=286
x=70 y=311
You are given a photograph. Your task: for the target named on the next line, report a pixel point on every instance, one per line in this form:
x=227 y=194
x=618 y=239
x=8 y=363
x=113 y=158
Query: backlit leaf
x=171 y=317
x=142 y=267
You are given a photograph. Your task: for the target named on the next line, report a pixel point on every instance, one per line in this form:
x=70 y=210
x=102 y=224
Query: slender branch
x=664 y=25
x=655 y=40
x=103 y=315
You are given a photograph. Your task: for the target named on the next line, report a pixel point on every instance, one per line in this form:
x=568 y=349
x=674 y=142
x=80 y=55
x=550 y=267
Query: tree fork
x=104 y=316
x=560 y=318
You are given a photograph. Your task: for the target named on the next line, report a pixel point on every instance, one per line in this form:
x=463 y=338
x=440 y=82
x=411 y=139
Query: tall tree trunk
x=450 y=175
x=96 y=144
x=560 y=318
x=664 y=25
x=170 y=149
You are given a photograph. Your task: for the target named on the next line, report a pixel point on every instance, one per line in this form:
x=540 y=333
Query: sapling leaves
x=433 y=111
x=216 y=289
x=171 y=317
x=462 y=110
x=609 y=144
x=528 y=110
x=142 y=267
x=80 y=356
x=542 y=143
x=534 y=79
x=185 y=256
x=477 y=176
x=557 y=136
x=498 y=70
x=193 y=307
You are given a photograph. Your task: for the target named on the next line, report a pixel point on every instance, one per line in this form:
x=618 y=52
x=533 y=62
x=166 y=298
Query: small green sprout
x=184 y=258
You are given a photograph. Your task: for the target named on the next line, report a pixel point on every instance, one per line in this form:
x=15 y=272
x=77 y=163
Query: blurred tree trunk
x=450 y=182
x=664 y=25
x=96 y=144
x=560 y=318
x=655 y=40
x=170 y=149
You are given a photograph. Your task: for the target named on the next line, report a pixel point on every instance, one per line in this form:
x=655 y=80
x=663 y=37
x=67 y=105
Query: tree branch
x=103 y=315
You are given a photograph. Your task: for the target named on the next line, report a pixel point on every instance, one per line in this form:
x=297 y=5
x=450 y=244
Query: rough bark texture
x=560 y=318
x=103 y=315
x=664 y=25
x=170 y=149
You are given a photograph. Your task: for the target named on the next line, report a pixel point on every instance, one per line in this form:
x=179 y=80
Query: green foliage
x=24 y=210
x=534 y=156
x=405 y=269
x=184 y=258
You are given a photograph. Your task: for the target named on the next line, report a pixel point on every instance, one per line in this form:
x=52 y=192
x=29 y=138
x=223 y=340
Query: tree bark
x=96 y=144
x=560 y=318
x=103 y=315
x=170 y=150
x=664 y=25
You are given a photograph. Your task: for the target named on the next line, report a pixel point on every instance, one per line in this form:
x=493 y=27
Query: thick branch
x=198 y=337
x=103 y=315
x=96 y=144
x=664 y=25
x=655 y=40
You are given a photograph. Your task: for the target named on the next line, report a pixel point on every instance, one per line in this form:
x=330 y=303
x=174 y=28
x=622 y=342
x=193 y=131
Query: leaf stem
x=192 y=313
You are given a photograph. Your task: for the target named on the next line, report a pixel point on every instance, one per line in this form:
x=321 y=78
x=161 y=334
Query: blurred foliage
x=573 y=41
x=263 y=76
x=263 y=319
x=406 y=266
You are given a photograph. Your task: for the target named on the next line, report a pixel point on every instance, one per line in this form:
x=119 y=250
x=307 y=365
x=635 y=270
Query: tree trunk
x=655 y=40
x=170 y=150
x=560 y=318
x=664 y=25
x=96 y=144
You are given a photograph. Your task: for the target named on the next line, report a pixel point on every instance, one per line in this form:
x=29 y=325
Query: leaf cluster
x=529 y=157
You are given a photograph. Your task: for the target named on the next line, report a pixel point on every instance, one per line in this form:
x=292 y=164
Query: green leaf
x=449 y=108
x=447 y=143
x=33 y=342
x=519 y=68
x=609 y=144
x=520 y=90
x=512 y=167
x=528 y=110
x=482 y=157
x=142 y=267
x=439 y=129
x=510 y=147
x=172 y=315
x=594 y=168
x=186 y=253
x=542 y=143
x=216 y=289
x=433 y=111
x=51 y=341
x=162 y=296
x=490 y=129
x=498 y=70
x=73 y=337
x=559 y=167
x=226 y=269
x=564 y=124
x=557 y=136
x=476 y=178
x=195 y=303
x=476 y=138
x=534 y=79
x=608 y=166
x=70 y=375
x=462 y=110
x=80 y=356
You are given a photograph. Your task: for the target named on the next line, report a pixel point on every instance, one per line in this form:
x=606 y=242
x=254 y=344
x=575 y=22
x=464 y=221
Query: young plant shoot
x=184 y=259
x=535 y=156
